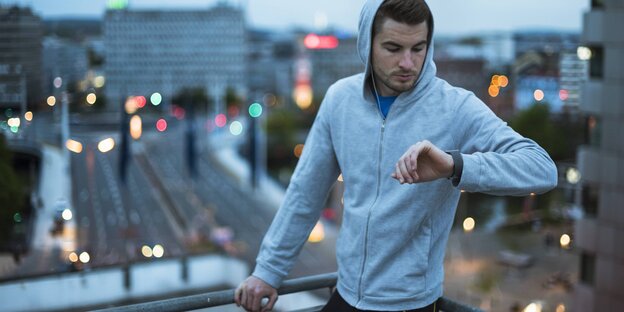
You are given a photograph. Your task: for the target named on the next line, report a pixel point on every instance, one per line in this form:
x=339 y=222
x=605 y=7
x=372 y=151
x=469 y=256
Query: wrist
x=458 y=166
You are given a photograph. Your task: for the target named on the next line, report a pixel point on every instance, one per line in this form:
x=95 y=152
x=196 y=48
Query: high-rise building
x=165 y=51
x=20 y=58
x=63 y=58
x=572 y=74
x=537 y=67
x=601 y=162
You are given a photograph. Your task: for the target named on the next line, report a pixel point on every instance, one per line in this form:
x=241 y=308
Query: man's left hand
x=423 y=162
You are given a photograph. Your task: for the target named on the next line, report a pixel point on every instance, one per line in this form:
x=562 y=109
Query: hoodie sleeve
x=498 y=160
x=316 y=172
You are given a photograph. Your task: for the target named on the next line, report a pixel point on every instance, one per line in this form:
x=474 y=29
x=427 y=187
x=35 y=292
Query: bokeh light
x=493 y=91
x=51 y=100
x=584 y=53
x=28 y=116
x=220 y=120
x=255 y=110
x=156 y=98
x=58 y=82
x=469 y=224
x=73 y=257
x=74 y=146
x=563 y=94
x=236 y=128
x=318 y=233
x=136 y=127
x=106 y=145
x=158 y=251
x=91 y=98
x=161 y=125
x=67 y=214
x=146 y=251
x=565 y=241
x=538 y=95
x=298 y=150
x=84 y=257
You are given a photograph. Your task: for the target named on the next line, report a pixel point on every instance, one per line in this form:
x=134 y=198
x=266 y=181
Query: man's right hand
x=250 y=293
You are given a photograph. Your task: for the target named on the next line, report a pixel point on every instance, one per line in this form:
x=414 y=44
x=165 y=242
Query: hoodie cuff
x=471 y=173
x=267 y=276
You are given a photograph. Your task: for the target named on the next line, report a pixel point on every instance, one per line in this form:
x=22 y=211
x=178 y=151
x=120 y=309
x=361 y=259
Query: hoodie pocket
x=402 y=273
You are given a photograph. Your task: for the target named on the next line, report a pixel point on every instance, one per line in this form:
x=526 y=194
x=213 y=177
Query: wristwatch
x=458 y=166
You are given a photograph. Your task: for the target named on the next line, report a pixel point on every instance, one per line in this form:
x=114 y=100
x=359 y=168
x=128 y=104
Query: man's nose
x=406 y=60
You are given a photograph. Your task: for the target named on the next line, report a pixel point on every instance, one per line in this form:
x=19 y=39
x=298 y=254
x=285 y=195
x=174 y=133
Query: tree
x=535 y=123
x=11 y=192
x=196 y=96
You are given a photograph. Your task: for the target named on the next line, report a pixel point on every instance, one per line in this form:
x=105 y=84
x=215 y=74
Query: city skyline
x=453 y=17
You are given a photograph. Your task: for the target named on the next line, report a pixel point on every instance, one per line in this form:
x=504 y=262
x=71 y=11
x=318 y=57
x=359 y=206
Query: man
x=406 y=143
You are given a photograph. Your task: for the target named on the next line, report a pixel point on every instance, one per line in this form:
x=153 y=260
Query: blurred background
x=146 y=145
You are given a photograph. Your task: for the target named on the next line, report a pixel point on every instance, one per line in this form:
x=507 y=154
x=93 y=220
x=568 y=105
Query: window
x=592 y=131
x=596 y=62
x=588 y=268
x=589 y=199
x=597 y=4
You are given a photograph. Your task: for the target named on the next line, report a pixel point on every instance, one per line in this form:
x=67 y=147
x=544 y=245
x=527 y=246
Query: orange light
x=495 y=81
x=136 y=127
x=493 y=91
x=538 y=95
x=74 y=146
x=503 y=81
x=303 y=96
x=298 y=150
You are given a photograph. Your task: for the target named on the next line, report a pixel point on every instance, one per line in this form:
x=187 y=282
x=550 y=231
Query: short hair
x=410 y=12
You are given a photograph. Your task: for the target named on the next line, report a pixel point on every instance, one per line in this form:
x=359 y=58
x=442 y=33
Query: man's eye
x=392 y=49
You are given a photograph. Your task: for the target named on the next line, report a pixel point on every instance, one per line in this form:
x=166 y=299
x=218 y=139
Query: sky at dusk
x=452 y=16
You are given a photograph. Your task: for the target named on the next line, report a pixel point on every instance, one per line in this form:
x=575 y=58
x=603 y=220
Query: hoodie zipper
x=370 y=209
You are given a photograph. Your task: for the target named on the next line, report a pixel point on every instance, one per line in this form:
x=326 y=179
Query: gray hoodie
x=391 y=245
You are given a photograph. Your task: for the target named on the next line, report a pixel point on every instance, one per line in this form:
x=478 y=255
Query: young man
x=406 y=143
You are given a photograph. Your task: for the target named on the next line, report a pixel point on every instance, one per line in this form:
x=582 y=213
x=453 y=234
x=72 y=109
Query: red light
x=161 y=125
x=141 y=101
x=178 y=112
x=233 y=111
x=563 y=94
x=220 y=120
x=316 y=42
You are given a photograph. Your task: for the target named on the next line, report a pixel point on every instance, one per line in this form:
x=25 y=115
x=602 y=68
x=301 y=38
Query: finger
x=255 y=303
x=244 y=298
x=404 y=172
x=271 y=303
x=397 y=173
x=237 y=294
x=410 y=173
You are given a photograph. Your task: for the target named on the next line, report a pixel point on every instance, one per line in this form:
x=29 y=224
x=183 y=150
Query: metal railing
x=224 y=297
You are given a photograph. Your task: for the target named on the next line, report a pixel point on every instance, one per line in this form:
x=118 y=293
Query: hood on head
x=365 y=41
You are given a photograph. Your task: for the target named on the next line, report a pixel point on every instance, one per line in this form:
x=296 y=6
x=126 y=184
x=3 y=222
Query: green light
x=117 y=4
x=8 y=113
x=17 y=217
x=4 y=125
x=255 y=110
x=14 y=129
x=156 y=98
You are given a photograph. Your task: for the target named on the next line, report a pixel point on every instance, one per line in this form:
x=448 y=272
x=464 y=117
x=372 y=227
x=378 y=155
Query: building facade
x=165 y=51
x=20 y=58
x=601 y=163
x=63 y=58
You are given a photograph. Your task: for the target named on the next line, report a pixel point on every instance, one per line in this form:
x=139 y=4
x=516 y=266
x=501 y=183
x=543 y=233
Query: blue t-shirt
x=385 y=102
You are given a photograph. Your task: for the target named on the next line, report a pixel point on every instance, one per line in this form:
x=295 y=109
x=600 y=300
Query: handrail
x=224 y=297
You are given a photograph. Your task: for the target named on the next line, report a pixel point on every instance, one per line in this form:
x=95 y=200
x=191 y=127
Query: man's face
x=399 y=51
